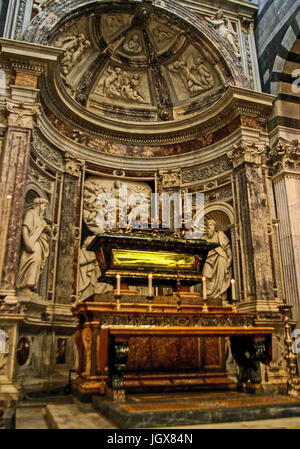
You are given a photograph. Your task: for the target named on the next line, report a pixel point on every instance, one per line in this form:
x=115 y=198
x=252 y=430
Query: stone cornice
x=234 y=103
x=20 y=51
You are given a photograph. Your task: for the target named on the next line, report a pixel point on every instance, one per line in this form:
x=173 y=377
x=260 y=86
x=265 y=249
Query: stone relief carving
x=74 y=47
x=94 y=186
x=170 y=178
x=284 y=155
x=35 y=247
x=38 y=177
x=161 y=34
x=51 y=155
x=133 y=43
x=89 y=273
x=217 y=267
x=119 y=84
x=225 y=29
x=198 y=173
x=195 y=77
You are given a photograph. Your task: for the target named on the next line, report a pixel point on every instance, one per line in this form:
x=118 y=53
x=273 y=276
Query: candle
x=204 y=287
x=150 y=292
x=233 y=292
x=118 y=284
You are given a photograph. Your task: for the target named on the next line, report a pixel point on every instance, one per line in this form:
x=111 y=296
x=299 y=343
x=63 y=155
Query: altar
x=129 y=342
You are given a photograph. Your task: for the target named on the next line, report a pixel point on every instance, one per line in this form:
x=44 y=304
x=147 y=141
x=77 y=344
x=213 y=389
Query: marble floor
x=66 y=413
x=34 y=418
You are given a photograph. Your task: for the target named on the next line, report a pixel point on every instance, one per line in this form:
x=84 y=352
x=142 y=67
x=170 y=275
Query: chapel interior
x=150 y=210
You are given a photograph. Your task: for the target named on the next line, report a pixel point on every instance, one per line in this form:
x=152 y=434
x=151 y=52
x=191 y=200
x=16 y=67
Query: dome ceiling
x=134 y=67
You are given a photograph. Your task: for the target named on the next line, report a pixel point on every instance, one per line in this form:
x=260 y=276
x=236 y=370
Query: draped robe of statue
x=217 y=267
x=35 y=249
x=89 y=273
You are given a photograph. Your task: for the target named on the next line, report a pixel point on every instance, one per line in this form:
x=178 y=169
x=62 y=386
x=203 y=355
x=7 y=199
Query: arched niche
x=223 y=215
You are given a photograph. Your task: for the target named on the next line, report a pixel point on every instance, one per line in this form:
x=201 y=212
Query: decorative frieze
x=200 y=172
x=187 y=320
x=49 y=154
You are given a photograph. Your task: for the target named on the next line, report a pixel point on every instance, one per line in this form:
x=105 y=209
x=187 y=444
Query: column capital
x=170 y=178
x=250 y=152
x=21 y=114
x=73 y=165
x=284 y=155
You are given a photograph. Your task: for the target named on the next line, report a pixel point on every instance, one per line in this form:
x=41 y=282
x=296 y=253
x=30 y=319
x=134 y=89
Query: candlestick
x=233 y=292
x=204 y=294
x=150 y=289
x=233 y=295
x=118 y=284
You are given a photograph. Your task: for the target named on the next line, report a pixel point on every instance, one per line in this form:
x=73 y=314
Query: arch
x=33 y=191
x=222 y=213
x=58 y=12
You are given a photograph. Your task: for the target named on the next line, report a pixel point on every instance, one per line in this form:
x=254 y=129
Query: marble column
x=252 y=217
x=21 y=109
x=69 y=236
x=284 y=158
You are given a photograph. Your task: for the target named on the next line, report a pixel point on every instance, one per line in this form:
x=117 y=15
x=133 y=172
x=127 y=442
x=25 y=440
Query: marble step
x=70 y=416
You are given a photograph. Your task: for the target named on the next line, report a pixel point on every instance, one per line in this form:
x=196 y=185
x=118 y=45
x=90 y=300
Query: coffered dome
x=137 y=67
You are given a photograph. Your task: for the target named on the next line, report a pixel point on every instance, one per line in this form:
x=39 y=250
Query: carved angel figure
x=202 y=73
x=195 y=78
x=74 y=47
x=225 y=29
x=121 y=84
x=35 y=249
x=89 y=273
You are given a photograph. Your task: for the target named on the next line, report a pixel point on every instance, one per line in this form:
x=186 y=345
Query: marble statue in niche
x=133 y=44
x=195 y=77
x=225 y=29
x=217 y=267
x=35 y=247
x=89 y=273
x=120 y=84
x=74 y=47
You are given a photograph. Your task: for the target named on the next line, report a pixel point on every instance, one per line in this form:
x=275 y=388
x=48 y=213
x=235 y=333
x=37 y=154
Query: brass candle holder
x=118 y=304
x=290 y=357
x=234 y=309
x=151 y=300
x=204 y=307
